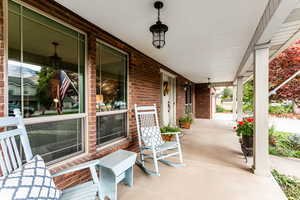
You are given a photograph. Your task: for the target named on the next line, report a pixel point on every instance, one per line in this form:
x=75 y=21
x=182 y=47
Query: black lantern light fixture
x=158 y=29
x=209 y=83
x=55 y=60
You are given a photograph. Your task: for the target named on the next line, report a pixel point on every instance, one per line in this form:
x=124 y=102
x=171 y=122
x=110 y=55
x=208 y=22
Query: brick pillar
x=91 y=78
x=203 y=101
x=180 y=98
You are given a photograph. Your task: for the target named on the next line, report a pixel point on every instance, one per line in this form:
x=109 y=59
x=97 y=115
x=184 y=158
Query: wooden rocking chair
x=10 y=159
x=150 y=140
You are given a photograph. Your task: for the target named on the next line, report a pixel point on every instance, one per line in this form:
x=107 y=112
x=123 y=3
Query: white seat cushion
x=165 y=146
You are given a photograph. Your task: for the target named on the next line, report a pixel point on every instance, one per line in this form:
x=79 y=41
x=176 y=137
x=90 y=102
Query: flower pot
x=185 y=125
x=167 y=138
x=247 y=141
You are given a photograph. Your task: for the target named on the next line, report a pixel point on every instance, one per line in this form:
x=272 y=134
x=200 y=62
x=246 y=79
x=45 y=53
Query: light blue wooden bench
x=115 y=168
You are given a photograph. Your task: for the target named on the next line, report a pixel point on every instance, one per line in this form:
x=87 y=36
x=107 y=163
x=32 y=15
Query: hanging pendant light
x=158 y=29
x=209 y=84
x=55 y=60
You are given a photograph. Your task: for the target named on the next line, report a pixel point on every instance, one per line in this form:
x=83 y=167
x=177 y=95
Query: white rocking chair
x=151 y=143
x=10 y=159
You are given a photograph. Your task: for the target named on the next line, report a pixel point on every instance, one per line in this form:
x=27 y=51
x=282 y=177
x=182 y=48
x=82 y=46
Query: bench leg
x=108 y=184
x=129 y=177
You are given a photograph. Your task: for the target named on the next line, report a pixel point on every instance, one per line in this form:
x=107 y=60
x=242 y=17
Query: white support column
x=240 y=98
x=234 y=102
x=261 y=104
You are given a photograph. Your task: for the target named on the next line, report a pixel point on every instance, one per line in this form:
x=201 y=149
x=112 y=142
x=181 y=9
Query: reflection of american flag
x=64 y=84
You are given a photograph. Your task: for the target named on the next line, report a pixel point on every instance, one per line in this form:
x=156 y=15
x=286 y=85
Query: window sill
x=42 y=119
x=114 y=112
x=56 y=166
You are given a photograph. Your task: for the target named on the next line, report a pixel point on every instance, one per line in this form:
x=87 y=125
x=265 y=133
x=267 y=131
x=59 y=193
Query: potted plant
x=244 y=129
x=185 y=122
x=169 y=129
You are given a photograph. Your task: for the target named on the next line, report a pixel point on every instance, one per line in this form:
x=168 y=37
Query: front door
x=168 y=99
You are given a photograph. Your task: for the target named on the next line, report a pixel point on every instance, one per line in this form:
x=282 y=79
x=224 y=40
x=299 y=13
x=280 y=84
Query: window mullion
x=21 y=67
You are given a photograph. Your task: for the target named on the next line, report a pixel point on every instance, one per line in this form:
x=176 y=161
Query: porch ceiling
x=285 y=35
x=205 y=38
x=288 y=33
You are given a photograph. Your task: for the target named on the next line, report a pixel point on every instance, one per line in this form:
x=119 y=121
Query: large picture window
x=111 y=96
x=46 y=67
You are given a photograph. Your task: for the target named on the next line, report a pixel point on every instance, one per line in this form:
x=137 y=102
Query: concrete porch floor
x=215 y=170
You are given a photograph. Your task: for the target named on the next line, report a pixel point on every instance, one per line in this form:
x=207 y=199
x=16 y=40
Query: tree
x=280 y=69
x=227 y=93
x=248 y=97
x=44 y=93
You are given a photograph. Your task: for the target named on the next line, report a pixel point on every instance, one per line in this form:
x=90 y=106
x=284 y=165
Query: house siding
x=143 y=85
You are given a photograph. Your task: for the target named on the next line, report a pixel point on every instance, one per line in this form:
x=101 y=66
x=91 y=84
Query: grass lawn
x=290 y=186
x=280 y=145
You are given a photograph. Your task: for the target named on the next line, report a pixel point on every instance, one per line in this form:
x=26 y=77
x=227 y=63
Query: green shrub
x=186 y=119
x=282 y=109
x=282 y=145
x=248 y=108
x=290 y=186
x=220 y=109
x=168 y=129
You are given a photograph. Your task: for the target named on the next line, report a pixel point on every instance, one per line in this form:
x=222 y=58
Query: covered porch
x=216 y=169
x=222 y=50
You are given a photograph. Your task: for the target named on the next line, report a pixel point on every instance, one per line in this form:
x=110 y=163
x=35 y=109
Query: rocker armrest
x=85 y=165
x=171 y=133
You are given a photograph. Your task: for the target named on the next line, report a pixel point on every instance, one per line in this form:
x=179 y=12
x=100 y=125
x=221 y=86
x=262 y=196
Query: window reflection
x=111 y=127
x=111 y=79
x=54 y=140
x=46 y=77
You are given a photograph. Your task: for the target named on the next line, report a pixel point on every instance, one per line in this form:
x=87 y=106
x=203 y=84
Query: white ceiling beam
x=222 y=84
x=273 y=17
x=277 y=19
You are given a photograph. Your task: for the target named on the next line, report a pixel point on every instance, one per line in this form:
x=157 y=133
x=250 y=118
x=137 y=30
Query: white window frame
x=107 y=144
x=43 y=119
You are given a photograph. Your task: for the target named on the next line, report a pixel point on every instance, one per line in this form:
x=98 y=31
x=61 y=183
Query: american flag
x=64 y=84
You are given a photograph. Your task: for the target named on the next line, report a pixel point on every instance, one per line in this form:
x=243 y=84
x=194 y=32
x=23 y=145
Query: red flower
x=250 y=120
x=234 y=127
x=241 y=123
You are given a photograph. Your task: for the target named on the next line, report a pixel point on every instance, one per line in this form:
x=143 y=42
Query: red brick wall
x=91 y=71
x=144 y=86
x=2 y=59
x=203 y=101
x=194 y=100
x=180 y=97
